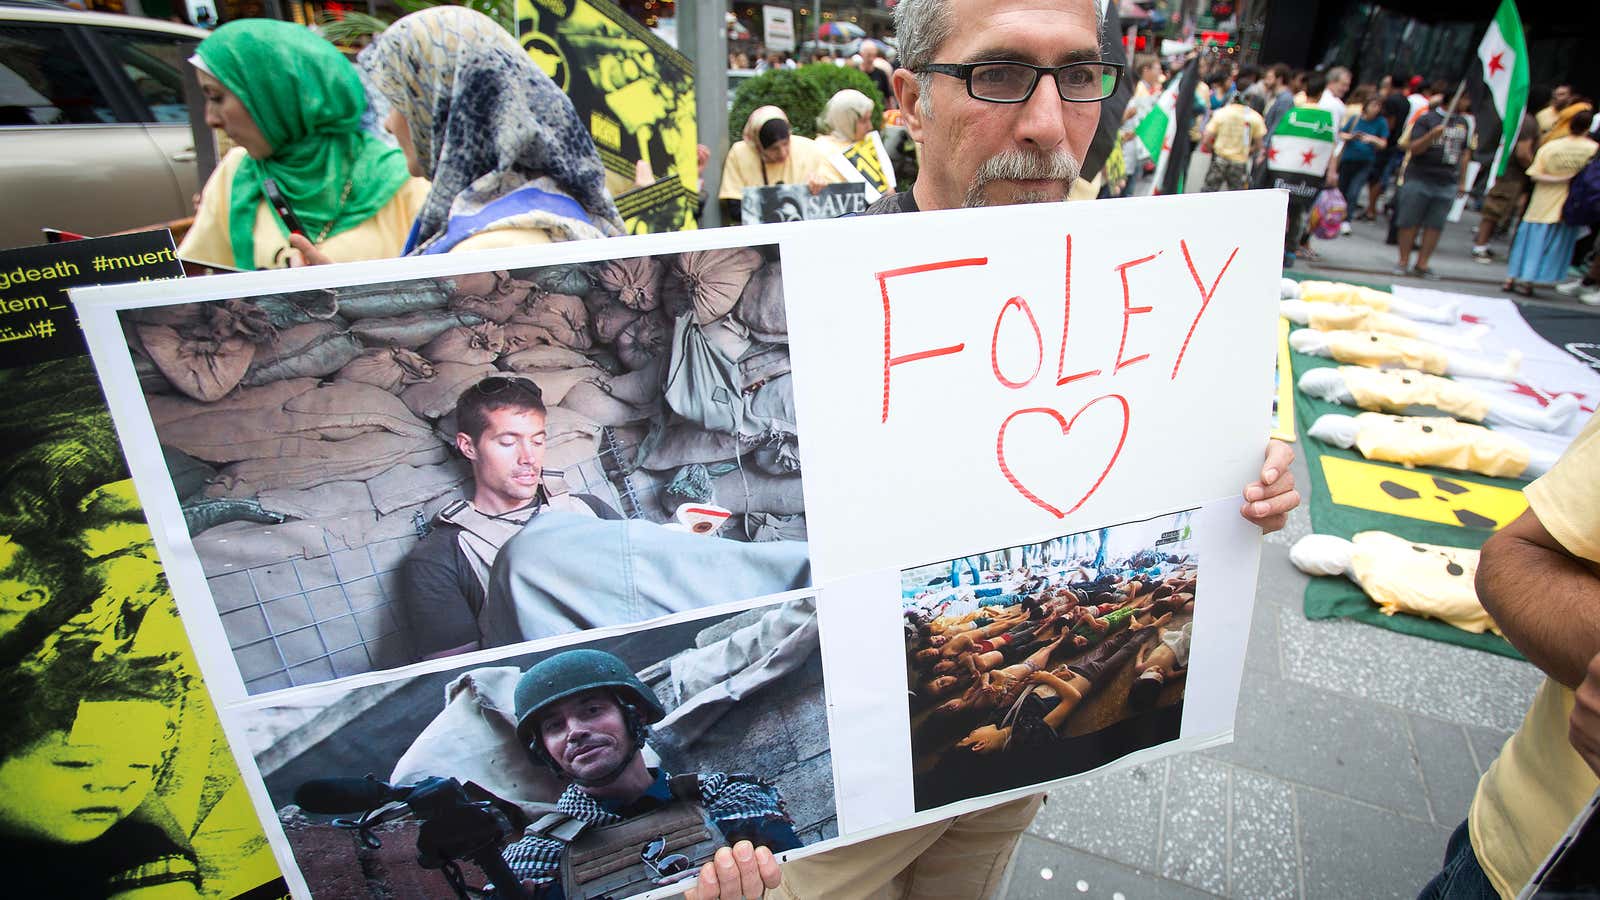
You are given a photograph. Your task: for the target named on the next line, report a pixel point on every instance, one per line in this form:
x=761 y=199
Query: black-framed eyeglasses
x=664 y=867
x=1013 y=82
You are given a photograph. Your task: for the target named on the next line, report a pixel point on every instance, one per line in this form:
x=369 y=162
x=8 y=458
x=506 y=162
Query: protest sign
x=796 y=203
x=118 y=774
x=635 y=91
x=931 y=574
x=867 y=162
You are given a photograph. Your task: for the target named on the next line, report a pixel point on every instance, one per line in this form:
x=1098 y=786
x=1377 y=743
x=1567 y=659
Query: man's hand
x=1584 y=730
x=1268 y=501
x=742 y=872
x=309 y=254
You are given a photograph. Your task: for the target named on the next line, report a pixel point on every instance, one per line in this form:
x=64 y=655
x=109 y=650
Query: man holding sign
x=1005 y=108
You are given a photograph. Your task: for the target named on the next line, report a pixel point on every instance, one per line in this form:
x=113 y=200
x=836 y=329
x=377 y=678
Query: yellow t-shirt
x=1348 y=294
x=1420 y=579
x=381 y=237
x=1442 y=442
x=1379 y=350
x=1232 y=129
x=1536 y=787
x=1337 y=317
x=1397 y=390
x=745 y=169
x=1564 y=156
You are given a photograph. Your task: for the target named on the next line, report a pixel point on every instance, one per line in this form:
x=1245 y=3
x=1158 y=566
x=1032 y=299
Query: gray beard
x=1021 y=165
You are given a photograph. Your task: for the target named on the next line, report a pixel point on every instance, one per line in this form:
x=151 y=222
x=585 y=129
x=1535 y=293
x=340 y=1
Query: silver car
x=94 y=128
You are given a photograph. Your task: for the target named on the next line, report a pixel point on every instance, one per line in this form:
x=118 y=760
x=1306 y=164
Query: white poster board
x=779 y=22
x=1024 y=435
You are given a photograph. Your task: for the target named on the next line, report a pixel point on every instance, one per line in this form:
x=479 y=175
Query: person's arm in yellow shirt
x=1545 y=599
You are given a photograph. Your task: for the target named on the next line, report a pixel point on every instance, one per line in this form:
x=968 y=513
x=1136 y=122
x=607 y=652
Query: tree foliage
x=801 y=93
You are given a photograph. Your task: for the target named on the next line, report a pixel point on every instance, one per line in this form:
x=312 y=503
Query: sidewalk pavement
x=1356 y=752
x=1362 y=255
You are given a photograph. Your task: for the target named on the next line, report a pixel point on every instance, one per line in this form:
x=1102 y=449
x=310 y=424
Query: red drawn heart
x=1066 y=427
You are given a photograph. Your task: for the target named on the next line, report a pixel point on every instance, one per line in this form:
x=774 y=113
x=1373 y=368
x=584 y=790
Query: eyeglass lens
x=1004 y=81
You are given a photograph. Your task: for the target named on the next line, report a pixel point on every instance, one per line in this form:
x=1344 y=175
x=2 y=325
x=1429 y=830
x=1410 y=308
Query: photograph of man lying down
x=1036 y=662
x=352 y=462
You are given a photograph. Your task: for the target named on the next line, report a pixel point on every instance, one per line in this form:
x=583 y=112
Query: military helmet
x=573 y=672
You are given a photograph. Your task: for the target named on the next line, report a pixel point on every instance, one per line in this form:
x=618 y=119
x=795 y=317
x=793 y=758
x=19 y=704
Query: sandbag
x=543 y=356
x=333 y=498
x=470 y=344
x=432 y=399
x=645 y=340
x=284 y=310
x=311 y=350
x=203 y=368
x=555 y=383
x=751 y=491
x=562 y=316
x=520 y=336
x=574 y=278
x=729 y=336
x=707 y=281
x=635 y=281
x=762 y=362
x=685 y=444
x=593 y=401
x=610 y=318
x=569 y=438
x=778 y=457
x=495 y=296
x=637 y=387
x=389 y=368
x=305 y=464
x=702 y=384
x=404 y=486
x=387 y=300
x=763 y=527
x=761 y=305
x=769 y=410
x=412 y=330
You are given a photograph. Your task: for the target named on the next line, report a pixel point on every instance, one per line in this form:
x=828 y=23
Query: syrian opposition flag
x=1300 y=148
x=1156 y=129
x=1498 y=85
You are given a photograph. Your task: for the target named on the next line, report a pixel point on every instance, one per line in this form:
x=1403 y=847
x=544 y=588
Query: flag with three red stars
x=1498 y=85
x=1300 y=150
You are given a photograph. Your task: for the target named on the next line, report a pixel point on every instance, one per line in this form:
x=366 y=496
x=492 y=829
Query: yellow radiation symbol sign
x=1420 y=495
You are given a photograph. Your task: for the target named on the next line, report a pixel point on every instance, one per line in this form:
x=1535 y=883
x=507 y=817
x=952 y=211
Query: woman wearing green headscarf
x=293 y=105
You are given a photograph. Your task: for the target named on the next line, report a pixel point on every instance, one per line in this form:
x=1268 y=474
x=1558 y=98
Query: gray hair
x=922 y=27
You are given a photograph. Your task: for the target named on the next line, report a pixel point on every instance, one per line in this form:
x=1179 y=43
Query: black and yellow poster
x=637 y=94
x=115 y=776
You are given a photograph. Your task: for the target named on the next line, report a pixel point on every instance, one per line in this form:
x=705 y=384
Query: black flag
x=1111 y=109
x=1183 y=115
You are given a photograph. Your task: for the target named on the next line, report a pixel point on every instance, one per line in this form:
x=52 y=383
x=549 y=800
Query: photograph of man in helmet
x=621 y=827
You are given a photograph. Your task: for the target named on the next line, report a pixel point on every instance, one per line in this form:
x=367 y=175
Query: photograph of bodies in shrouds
x=605 y=768
x=352 y=462
x=1036 y=662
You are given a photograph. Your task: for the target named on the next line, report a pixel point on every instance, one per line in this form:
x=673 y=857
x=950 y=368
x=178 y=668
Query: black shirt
x=1440 y=163
x=440 y=593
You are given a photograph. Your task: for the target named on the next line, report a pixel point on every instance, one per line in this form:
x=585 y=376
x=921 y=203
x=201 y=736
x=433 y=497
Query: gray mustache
x=1020 y=165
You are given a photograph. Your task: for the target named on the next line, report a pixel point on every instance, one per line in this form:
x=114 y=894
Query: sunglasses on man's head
x=496 y=384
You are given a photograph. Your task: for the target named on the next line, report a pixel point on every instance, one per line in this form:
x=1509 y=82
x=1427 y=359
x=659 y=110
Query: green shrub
x=831 y=79
x=801 y=93
x=783 y=88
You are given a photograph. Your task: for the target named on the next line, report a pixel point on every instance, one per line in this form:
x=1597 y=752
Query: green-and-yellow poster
x=637 y=94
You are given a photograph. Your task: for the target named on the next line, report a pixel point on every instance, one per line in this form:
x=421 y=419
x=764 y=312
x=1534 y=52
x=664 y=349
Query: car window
x=45 y=81
x=154 y=63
